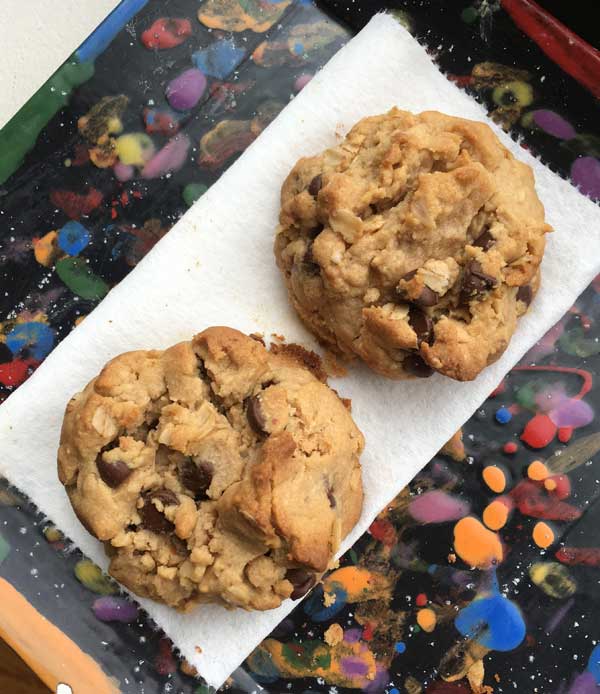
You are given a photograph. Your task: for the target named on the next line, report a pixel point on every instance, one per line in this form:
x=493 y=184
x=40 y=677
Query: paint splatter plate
x=91 y=177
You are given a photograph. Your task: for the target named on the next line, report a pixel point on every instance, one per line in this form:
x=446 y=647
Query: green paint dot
x=469 y=14
x=403 y=18
x=4 y=549
x=93 y=579
x=525 y=396
x=78 y=277
x=192 y=192
x=527 y=121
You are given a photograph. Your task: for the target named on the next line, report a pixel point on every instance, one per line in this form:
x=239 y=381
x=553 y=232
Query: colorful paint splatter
x=482 y=575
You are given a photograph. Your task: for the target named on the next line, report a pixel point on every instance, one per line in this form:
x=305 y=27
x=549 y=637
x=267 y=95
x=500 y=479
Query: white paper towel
x=216 y=267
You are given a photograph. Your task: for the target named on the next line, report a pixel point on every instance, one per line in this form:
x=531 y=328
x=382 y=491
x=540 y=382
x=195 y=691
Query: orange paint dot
x=495 y=515
x=475 y=544
x=426 y=619
x=495 y=478
x=537 y=471
x=543 y=535
x=550 y=485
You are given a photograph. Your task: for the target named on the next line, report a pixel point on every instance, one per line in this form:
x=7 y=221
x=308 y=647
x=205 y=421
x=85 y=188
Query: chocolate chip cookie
x=213 y=471
x=415 y=244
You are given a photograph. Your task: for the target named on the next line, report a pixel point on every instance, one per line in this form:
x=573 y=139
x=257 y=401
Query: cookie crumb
x=310 y=360
x=329 y=599
x=197 y=649
x=333 y=365
x=259 y=337
x=334 y=635
x=279 y=338
x=455 y=448
x=188 y=669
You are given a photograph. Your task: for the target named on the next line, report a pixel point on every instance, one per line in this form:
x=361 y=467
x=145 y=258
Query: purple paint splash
x=585 y=174
x=354 y=667
x=553 y=124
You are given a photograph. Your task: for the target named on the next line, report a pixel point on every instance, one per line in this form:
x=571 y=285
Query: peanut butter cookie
x=213 y=471
x=415 y=244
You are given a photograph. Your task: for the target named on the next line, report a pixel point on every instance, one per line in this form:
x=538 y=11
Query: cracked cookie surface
x=415 y=244
x=213 y=471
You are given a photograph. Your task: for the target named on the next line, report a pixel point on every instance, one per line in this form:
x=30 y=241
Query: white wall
x=36 y=37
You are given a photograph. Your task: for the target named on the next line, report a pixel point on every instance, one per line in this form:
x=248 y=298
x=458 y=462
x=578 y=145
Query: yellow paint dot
x=426 y=619
x=495 y=515
x=550 y=485
x=543 y=535
x=134 y=148
x=537 y=471
x=495 y=478
x=475 y=544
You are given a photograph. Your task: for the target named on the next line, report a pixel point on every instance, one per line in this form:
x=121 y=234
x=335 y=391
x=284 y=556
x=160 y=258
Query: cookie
x=213 y=471
x=415 y=244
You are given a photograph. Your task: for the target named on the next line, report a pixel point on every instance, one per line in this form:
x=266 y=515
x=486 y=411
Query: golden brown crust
x=415 y=244
x=215 y=471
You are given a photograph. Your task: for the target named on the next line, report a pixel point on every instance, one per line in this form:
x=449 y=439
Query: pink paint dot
x=123 y=172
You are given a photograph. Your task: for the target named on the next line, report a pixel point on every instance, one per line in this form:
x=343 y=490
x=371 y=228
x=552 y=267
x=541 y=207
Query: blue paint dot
x=73 y=238
x=298 y=48
x=36 y=338
x=494 y=622
x=593 y=665
x=503 y=415
x=400 y=647
x=313 y=605
x=393 y=690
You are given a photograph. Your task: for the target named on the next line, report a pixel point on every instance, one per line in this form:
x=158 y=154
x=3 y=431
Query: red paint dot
x=510 y=447
x=564 y=434
x=421 y=600
x=539 y=431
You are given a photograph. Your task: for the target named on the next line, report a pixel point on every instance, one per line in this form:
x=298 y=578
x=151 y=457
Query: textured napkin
x=216 y=267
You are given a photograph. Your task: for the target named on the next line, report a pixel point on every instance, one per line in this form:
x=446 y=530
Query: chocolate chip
x=255 y=416
x=525 y=294
x=152 y=518
x=415 y=366
x=485 y=240
x=427 y=297
x=309 y=264
x=409 y=275
x=475 y=282
x=330 y=496
x=315 y=185
x=196 y=476
x=179 y=546
x=302 y=580
x=202 y=372
x=422 y=324
x=113 y=474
